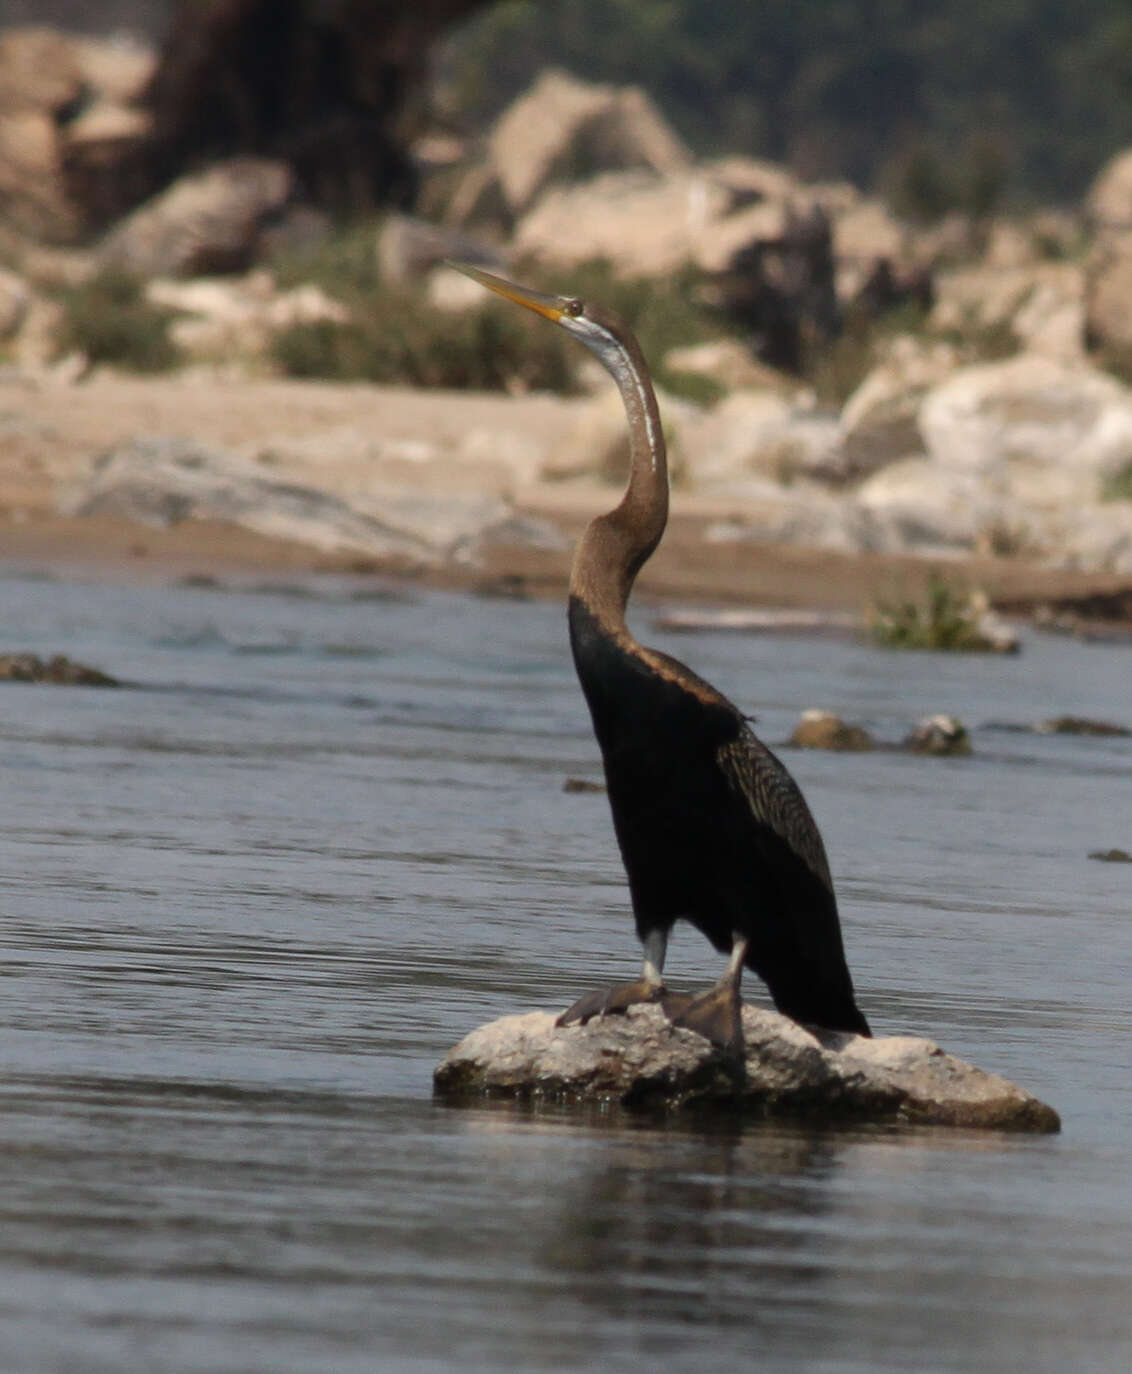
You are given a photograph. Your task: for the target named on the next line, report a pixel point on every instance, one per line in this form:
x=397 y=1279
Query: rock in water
x=641 y=1060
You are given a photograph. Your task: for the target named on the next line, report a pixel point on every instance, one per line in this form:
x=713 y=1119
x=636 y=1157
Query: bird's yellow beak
x=550 y=307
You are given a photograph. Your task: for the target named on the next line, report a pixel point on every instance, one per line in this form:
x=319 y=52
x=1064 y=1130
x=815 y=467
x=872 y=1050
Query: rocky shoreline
x=322 y=443
x=975 y=428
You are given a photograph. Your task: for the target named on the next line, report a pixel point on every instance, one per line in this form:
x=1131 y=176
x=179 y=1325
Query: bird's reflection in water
x=666 y=1224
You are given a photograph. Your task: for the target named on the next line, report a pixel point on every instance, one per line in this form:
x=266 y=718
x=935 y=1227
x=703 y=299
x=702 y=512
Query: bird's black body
x=711 y=826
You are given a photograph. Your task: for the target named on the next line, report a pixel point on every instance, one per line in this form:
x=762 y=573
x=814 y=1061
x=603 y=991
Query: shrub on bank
x=397 y=335
x=110 y=321
x=946 y=619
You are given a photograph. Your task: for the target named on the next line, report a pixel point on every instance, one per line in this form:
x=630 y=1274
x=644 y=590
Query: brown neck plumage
x=616 y=546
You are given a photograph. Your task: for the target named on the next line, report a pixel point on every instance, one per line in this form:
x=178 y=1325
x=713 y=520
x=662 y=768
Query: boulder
x=824 y=730
x=643 y=224
x=33 y=201
x=116 y=69
x=718 y=242
x=880 y=420
x=34 y=345
x=205 y=222
x=409 y=248
x=563 y=129
x=1109 y=201
x=65 y=117
x=1081 y=725
x=941 y=735
x=640 y=1060
x=761 y=433
x=866 y=234
x=226 y=317
x=1010 y=244
x=926 y=507
x=802 y=513
x=1053 y=320
x=594 y=442
x=15 y=299
x=739 y=437
x=39 y=70
x=1037 y=306
x=467 y=198
x=1090 y=537
x=1029 y=414
x=1108 y=290
x=162 y=481
x=58 y=669
x=729 y=363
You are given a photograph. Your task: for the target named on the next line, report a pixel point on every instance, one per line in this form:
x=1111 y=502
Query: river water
x=248 y=902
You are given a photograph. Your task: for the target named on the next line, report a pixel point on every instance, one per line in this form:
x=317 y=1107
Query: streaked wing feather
x=774 y=798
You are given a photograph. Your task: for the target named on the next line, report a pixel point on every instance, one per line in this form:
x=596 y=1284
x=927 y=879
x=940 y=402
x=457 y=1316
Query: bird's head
x=600 y=330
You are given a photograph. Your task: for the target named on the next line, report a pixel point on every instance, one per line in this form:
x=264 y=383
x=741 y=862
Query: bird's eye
x=573 y=308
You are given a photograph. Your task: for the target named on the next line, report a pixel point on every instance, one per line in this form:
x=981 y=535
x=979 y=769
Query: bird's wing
x=774 y=798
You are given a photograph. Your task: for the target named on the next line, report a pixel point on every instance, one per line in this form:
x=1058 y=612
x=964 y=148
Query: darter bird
x=711 y=826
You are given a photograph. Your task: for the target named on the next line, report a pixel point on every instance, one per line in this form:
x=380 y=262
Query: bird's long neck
x=616 y=546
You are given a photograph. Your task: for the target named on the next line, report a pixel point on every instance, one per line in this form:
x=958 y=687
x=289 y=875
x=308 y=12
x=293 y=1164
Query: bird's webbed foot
x=614 y=1001
x=717 y=1015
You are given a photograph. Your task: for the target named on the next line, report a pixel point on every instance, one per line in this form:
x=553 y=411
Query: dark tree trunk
x=334 y=88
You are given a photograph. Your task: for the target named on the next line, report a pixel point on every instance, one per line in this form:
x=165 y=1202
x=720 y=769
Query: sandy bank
x=50 y=432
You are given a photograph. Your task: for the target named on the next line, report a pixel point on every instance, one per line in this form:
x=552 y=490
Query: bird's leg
x=649 y=987
x=718 y=1014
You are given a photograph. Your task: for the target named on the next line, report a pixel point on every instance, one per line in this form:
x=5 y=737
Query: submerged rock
x=641 y=1060
x=940 y=734
x=819 y=729
x=1079 y=725
x=1112 y=856
x=58 y=669
x=582 y=785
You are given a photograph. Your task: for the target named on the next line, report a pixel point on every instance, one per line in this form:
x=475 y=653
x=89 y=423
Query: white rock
x=1096 y=538
x=728 y=362
x=206 y=221
x=880 y=421
x=1029 y=412
x=1108 y=275
x=926 y=507
x=760 y=433
x=1109 y=200
x=802 y=513
x=238 y=315
x=562 y=122
x=15 y=298
x=864 y=234
x=595 y=440
x=644 y=224
x=1041 y=305
x=165 y=480
x=640 y=1060
x=716 y=244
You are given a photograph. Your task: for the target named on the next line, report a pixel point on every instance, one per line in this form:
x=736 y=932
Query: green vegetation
x=898 y=96
x=1118 y=485
x=109 y=319
x=397 y=335
x=947 y=619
